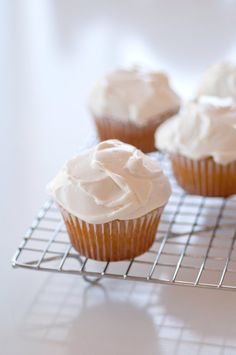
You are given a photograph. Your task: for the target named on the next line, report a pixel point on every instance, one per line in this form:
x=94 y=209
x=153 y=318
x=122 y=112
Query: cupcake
x=111 y=198
x=219 y=80
x=201 y=142
x=130 y=104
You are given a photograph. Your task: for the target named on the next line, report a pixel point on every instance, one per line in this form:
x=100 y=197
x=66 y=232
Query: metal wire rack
x=194 y=246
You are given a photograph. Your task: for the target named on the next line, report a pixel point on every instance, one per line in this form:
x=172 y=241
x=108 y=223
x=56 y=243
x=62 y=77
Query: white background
x=50 y=52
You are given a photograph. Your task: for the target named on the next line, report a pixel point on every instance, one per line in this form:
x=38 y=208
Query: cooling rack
x=194 y=246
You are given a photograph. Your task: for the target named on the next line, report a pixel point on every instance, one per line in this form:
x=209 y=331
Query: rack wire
x=194 y=245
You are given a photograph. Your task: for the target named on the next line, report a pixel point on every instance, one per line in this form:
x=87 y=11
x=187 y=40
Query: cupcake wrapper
x=205 y=177
x=115 y=240
x=140 y=137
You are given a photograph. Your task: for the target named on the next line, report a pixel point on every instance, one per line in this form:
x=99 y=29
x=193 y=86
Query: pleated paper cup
x=141 y=137
x=204 y=177
x=115 y=240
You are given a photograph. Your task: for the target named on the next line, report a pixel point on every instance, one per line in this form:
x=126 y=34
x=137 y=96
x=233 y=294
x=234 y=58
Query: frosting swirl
x=219 y=80
x=205 y=128
x=110 y=181
x=133 y=95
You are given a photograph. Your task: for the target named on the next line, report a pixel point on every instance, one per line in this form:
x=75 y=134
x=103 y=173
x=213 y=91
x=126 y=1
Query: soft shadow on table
x=203 y=316
x=119 y=317
x=79 y=318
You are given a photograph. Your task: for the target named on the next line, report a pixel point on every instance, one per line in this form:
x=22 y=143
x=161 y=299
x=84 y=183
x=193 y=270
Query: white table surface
x=50 y=53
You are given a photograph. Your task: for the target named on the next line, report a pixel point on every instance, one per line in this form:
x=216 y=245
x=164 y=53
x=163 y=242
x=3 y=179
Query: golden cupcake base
x=115 y=240
x=141 y=137
x=204 y=177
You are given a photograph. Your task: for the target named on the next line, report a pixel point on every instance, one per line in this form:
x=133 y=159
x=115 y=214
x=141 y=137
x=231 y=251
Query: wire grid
x=194 y=245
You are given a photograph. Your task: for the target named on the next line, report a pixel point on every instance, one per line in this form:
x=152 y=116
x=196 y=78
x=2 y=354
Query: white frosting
x=219 y=80
x=110 y=181
x=206 y=128
x=133 y=95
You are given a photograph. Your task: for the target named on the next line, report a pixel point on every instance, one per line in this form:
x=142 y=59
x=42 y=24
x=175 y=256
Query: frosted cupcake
x=201 y=142
x=111 y=198
x=130 y=104
x=219 y=80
